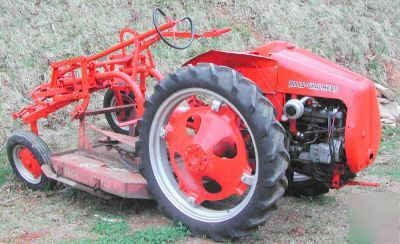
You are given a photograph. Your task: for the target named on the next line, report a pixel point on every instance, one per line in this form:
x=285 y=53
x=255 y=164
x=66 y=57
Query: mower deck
x=96 y=175
x=108 y=167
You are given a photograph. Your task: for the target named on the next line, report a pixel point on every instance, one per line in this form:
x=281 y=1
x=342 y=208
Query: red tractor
x=218 y=142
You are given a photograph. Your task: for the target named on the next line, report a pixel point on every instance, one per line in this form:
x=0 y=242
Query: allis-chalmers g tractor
x=218 y=142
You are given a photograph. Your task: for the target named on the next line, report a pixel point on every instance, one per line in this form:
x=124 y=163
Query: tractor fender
x=261 y=70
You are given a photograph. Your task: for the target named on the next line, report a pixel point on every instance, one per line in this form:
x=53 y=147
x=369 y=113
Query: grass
x=5 y=169
x=389 y=153
x=121 y=232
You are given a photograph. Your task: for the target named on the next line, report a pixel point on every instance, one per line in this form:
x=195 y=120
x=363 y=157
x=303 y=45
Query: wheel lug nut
x=216 y=105
x=248 y=179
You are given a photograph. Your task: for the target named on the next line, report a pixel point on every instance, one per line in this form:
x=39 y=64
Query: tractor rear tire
x=306 y=186
x=269 y=136
x=109 y=100
x=38 y=153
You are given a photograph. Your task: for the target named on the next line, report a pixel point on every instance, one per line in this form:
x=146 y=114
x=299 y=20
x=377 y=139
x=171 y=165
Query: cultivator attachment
x=74 y=80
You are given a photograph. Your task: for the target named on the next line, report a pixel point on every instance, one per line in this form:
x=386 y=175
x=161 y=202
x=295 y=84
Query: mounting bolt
x=163 y=133
x=216 y=105
x=248 y=179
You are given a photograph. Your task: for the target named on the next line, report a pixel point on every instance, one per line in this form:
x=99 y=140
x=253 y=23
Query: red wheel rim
x=29 y=162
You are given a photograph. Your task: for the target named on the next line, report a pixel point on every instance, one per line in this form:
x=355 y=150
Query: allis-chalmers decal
x=313 y=86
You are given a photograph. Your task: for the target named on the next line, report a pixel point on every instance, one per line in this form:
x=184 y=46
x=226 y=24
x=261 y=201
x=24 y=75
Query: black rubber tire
x=108 y=96
x=269 y=138
x=41 y=151
x=308 y=188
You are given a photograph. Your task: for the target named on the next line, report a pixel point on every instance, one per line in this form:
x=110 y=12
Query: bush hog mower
x=218 y=142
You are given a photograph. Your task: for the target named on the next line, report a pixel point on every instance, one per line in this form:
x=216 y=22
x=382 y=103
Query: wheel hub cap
x=196 y=158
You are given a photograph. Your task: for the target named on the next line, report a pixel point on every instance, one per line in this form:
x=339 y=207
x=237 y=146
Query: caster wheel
x=27 y=153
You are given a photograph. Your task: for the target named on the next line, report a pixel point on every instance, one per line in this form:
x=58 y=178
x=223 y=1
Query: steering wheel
x=158 y=11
